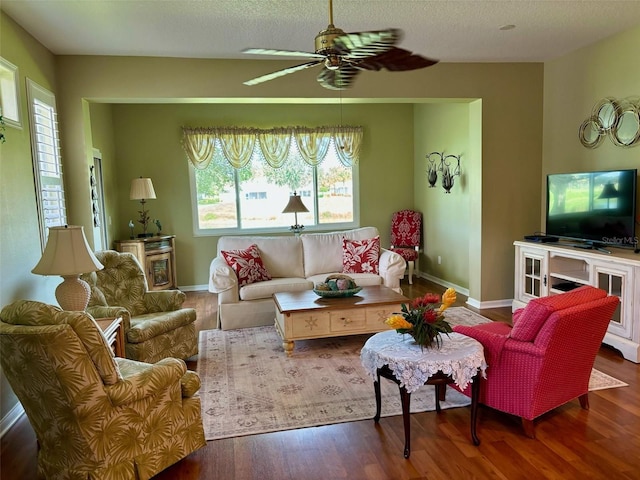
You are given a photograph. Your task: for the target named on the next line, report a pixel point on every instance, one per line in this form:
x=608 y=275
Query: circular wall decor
x=626 y=132
x=617 y=119
x=591 y=132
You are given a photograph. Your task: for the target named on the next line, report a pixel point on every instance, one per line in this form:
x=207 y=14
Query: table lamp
x=294 y=206
x=67 y=254
x=142 y=189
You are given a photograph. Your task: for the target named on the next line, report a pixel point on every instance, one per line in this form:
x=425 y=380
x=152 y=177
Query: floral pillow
x=247 y=264
x=360 y=256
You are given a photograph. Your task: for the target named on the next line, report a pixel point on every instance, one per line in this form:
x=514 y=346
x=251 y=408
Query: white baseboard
x=472 y=302
x=10 y=418
x=490 y=304
x=444 y=283
x=193 y=288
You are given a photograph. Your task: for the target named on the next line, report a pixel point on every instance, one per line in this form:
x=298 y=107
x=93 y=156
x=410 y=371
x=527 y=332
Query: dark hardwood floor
x=571 y=443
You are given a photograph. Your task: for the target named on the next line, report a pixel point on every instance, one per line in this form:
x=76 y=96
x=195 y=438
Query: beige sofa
x=295 y=263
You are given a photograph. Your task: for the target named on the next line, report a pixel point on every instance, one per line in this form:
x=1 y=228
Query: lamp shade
x=295 y=205
x=609 y=191
x=142 y=189
x=67 y=253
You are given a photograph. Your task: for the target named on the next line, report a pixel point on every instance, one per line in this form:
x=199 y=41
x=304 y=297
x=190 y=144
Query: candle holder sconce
x=433 y=167
x=446 y=167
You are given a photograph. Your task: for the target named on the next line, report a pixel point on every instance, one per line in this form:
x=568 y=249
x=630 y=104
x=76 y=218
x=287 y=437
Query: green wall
x=147 y=139
x=511 y=101
x=20 y=247
x=500 y=194
x=573 y=85
x=447 y=233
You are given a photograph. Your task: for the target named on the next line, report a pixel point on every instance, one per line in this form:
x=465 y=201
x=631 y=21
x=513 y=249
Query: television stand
x=543 y=269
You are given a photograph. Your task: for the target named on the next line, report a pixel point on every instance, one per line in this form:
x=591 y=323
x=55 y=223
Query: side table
x=459 y=360
x=112 y=329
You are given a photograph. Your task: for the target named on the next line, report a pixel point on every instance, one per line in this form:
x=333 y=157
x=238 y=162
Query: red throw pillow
x=360 y=256
x=247 y=264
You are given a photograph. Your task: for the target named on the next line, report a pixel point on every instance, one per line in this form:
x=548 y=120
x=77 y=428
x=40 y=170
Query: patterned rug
x=250 y=386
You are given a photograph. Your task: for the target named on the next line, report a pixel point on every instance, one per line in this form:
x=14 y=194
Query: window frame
x=38 y=93
x=317 y=227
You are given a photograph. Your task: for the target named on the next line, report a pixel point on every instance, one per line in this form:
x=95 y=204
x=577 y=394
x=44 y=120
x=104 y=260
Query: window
x=230 y=200
x=47 y=163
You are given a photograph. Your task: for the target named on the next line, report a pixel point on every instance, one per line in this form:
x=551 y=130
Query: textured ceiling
x=451 y=31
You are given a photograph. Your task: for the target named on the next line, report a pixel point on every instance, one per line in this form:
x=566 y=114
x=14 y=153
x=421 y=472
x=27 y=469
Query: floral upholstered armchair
x=545 y=360
x=96 y=416
x=155 y=324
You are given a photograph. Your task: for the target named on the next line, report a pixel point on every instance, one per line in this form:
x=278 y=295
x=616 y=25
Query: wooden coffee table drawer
x=348 y=320
x=311 y=324
x=377 y=315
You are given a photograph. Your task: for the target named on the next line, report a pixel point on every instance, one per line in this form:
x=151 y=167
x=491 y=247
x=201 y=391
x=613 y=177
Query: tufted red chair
x=545 y=360
x=406 y=233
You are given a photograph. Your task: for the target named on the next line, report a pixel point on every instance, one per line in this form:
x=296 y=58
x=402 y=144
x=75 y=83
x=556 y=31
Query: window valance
x=239 y=143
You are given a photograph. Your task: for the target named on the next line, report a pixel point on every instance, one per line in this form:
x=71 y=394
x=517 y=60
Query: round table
x=459 y=360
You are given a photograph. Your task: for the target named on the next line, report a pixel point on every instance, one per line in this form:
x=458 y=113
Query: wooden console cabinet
x=157 y=255
x=549 y=269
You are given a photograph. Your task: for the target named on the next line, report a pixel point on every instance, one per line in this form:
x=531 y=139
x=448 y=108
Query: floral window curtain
x=238 y=144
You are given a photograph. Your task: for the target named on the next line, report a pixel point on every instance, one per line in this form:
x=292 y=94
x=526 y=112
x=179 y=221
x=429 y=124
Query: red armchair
x=406 y=232
x=545 y=360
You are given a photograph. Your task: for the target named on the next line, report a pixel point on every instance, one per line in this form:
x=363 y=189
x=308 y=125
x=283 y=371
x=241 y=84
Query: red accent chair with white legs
x=545 y=360
x=406 y=233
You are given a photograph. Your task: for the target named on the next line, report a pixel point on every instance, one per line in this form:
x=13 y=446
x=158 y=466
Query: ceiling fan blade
x=280 y=73
x=283 y=53
x=394 y=60
x=339 y=79
x=367 y=44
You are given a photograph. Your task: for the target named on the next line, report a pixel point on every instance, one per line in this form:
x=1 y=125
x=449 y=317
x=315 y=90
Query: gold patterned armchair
x=155 y=324
x=96 y=416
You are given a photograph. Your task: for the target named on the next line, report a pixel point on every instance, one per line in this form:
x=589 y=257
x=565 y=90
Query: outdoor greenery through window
x=252 y=197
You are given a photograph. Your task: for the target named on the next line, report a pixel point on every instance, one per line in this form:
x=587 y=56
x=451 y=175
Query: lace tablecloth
x=459 y=356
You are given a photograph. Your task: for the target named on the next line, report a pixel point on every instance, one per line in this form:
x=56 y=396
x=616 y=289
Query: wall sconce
x=444 y=166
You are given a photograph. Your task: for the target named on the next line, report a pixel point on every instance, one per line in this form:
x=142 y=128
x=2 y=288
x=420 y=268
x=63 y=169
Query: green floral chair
x=96 y=416
x=155 y=324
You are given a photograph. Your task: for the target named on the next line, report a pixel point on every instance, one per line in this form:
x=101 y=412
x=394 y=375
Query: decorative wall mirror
x=608 y=111
x=627 y=131
x=617 y=119
x=591 y=133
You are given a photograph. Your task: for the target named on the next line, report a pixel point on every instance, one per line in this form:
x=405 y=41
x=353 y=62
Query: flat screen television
x=598 y=208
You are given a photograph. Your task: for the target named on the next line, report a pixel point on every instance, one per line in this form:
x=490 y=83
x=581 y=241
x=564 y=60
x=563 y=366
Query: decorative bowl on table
x=337 y=285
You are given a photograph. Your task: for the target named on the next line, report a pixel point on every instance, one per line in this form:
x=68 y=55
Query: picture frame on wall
x=9 y=94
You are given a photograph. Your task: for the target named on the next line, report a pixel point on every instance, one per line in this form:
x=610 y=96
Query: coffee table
x=304 y=315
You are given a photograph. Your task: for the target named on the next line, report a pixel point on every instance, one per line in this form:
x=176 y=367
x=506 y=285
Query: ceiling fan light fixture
x=343 y=55
x=333 y=62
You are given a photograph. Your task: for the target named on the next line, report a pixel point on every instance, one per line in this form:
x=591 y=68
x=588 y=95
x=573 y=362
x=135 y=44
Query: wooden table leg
x=405 y=398
x=376 y=389
x=475 y=394
x=288 y=345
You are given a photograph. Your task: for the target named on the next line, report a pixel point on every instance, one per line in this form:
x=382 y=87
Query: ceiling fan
x=344 y=55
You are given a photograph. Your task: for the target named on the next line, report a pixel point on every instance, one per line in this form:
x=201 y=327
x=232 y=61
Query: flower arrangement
x=423 y=318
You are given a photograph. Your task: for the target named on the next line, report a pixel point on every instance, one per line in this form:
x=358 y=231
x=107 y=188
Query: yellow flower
x=398 y=322
x=448 y=299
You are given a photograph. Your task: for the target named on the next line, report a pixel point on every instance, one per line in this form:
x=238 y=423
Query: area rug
x=250 y=386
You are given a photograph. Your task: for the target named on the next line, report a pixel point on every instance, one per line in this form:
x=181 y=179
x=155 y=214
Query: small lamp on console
x=294 y=206
x=67 y=254
x=142 y=189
